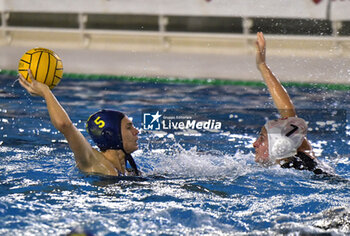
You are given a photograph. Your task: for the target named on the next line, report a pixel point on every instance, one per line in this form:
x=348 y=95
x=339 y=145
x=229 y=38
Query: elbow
x=63 y=126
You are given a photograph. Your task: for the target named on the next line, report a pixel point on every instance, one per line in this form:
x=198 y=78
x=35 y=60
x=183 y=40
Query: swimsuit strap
x=131 y=161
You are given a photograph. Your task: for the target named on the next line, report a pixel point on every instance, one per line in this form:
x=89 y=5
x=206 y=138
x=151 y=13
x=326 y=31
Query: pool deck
x=239 y=65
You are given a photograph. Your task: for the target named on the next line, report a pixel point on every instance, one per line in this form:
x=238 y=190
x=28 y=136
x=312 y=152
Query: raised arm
x=83 y=152
x=279 y=95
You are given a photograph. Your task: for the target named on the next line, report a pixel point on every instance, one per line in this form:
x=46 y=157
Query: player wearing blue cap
x=112 y=131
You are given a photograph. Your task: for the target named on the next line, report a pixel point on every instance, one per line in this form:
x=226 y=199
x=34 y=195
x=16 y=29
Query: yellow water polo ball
x=46 y=66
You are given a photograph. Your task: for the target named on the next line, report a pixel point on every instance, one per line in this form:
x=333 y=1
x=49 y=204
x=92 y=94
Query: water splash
x=179 y=162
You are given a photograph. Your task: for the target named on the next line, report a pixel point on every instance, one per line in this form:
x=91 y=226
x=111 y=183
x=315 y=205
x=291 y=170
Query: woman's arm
x=83 y=152
x=279 y=95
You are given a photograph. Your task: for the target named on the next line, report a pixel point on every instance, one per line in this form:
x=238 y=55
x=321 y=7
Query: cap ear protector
x=281 y=147
x=109 y=135
x=285 y=136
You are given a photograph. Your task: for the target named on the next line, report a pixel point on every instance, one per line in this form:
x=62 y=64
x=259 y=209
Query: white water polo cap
x=285 y=136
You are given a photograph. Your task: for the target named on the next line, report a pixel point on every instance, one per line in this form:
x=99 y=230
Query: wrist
x=45 y=92
x=262 y=65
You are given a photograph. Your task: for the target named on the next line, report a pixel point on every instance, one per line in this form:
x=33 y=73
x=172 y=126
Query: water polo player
x=112 y=131
x=282 y=141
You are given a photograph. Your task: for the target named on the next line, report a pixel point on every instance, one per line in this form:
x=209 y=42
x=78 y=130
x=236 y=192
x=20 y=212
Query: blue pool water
x=196 y=183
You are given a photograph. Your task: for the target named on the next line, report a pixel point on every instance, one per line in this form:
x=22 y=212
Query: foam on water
x=178 y=162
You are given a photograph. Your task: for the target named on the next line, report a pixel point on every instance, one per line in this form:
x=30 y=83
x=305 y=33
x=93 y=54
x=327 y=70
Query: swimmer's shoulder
x=303 y=161
x=99 y=165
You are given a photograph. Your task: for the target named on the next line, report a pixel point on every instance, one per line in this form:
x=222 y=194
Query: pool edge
x=195 y=81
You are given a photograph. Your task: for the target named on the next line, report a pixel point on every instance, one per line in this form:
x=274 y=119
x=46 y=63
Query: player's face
x=129 y=135
x=261 y=147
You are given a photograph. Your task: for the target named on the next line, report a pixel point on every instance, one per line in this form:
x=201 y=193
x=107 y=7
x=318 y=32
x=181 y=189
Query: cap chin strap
x=131 y=161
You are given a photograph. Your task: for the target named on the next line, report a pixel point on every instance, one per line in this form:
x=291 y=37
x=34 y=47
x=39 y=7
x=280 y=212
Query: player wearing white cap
x=282 y=141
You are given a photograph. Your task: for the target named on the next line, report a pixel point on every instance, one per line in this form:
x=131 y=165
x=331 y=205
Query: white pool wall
x=312 y=59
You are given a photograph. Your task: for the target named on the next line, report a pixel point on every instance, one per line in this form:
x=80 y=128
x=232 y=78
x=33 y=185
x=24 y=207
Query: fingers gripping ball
x=45 y=65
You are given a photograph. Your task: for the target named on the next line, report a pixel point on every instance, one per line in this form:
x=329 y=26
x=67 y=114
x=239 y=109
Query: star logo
x=151 y=121
x=156 y=117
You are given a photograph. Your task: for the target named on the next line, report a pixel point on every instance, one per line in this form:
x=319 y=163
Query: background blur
x=308 y=40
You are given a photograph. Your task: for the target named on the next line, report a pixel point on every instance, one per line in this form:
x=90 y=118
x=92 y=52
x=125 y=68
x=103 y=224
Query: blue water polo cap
x=104 y=128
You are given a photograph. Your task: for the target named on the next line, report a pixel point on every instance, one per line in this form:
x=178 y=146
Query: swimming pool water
x=198 y=183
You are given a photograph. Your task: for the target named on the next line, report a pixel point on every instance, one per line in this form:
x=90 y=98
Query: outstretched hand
x=260 y=49
x=35 y=88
